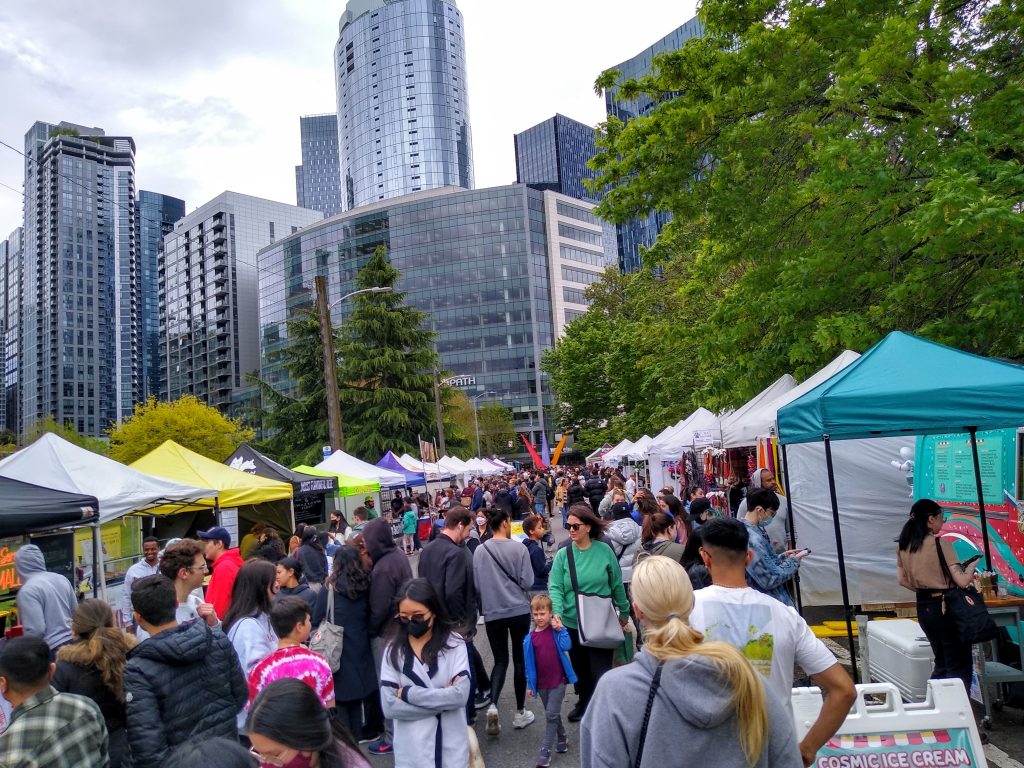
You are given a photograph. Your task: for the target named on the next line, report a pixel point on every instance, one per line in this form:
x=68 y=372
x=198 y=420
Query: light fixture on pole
x=335 y=436
x=476 y=423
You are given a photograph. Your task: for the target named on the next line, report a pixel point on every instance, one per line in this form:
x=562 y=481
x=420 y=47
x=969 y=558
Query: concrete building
x=11 y=264
x=403 y=113
x=80 y=302
x=209 y=288
x=484 y=265
x=157 y=214
x=318 y=179
x=637 y=234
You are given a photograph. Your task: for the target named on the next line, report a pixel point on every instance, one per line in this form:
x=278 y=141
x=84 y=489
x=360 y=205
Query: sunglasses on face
x=575 y=526
x=414 y=617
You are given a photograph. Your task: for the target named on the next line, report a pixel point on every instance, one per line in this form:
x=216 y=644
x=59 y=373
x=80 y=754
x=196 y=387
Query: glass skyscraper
x=12 y=253
x=554 y=155
x=636 y=234
x=82 y=360
x=403 y=113
x=157 y=214
x=318 y=179
x=498 y=272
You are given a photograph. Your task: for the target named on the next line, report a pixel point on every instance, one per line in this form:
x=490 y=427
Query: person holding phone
x=767 y=571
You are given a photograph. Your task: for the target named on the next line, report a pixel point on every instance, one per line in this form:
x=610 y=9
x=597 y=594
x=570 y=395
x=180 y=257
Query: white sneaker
x=522 y=718
x=493 y=726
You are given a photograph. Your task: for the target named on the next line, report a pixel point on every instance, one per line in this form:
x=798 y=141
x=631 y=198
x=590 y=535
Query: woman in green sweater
x=597 y=573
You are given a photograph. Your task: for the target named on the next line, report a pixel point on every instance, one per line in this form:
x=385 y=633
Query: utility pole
x=438 y=415
x=335 y=435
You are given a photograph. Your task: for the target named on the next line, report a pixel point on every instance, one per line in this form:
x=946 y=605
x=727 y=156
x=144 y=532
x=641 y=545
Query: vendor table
x=1005 y=611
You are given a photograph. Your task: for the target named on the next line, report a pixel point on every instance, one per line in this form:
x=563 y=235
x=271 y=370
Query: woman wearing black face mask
x=424 y=681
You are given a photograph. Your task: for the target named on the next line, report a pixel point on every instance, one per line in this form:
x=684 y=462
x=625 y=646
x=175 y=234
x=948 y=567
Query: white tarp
x=431 y=470
x=53 y=462
x=683 y=439
x=345 y=464
x=730 y=429
x=639 y=450
x=617 y=454
x=481 y=467
x=760 y=421
x=874 y=500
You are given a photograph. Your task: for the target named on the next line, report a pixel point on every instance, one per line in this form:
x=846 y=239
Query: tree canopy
x=834 y=171
x=67 y=431
x=188 y=421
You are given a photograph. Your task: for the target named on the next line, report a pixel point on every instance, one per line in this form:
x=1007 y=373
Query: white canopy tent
x=639 y=450
x=502 y=465
x=345 y=464
x=431 y=470
x=730 y=421
x=615 y=456
x=480 y=467
x=663 y=446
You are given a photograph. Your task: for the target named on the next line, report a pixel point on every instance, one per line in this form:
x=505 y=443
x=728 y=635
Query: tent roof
x=639 y=450
x=28 y=508
x=248 y=459
x=666 y=440
x=482 y=467
x=759 y=421
x=600 y=452
x=732 y=431
x=391 y=462
x=454 y=464
x=503 y=465
x=53 y=462
x=347 y=485
x=347 y=464
x=618 y=452
x=905 y=385
x=235 y=488
x=415 y=465
x=702 y=419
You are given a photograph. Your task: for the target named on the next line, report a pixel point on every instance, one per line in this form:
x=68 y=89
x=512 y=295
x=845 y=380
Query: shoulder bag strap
x=504 y=570
x=329 y=618
x=943 y=564
x=572 y=570
x=655 y=684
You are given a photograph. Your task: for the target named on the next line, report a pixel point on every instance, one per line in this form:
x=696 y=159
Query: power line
x=8 y=186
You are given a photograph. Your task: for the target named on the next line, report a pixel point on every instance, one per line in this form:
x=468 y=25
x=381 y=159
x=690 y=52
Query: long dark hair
x=311 y=537
x=586 y=515
x=250 y=595
x=421 y=591
x=645 y=502
x=495 y=517
x=691 y=550
x=289 y=712
x=656 y=524
x=915 y=530
x=348 y=574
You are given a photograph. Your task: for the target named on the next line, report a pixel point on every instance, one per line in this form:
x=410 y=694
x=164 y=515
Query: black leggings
x=589 y=664
x=499 y=632
x=953 y=657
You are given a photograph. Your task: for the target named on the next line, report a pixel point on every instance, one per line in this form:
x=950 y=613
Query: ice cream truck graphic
x=944 y=471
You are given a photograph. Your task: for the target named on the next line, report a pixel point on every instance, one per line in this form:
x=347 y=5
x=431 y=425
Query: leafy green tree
x=835 y=171
x=188 y=421
x=387 y=368
x=296 y=425
x=496 y=430
x=68 y=432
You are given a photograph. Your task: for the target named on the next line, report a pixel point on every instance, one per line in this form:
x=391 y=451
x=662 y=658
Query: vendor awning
x=248 y=459
x=391 y=462
x=346 y=464
x=28 y=508
x=346 y=484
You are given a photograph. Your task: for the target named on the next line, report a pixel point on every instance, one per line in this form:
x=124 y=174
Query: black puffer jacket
x=390 y=571
x=595 y=489
x=184 y=684
x=575 y=493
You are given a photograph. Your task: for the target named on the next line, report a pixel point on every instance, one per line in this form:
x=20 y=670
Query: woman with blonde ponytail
x=92 y=665
x=681 y=690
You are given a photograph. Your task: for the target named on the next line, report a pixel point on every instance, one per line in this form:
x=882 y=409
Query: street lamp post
x=476 y=423
x=335 y=435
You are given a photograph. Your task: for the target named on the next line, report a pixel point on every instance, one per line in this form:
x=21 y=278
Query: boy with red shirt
x=548 y=671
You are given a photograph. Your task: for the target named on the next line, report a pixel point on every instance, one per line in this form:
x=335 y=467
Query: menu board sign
x=953 y=467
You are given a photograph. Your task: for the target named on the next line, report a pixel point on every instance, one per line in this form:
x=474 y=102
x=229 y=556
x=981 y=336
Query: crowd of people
x=231 y=669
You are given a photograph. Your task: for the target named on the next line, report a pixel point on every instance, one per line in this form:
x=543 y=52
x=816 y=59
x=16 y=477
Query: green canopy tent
x=905 y=385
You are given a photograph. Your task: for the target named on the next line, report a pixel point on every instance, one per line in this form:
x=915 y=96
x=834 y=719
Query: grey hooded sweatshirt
x=692 y=708
x=46 y=601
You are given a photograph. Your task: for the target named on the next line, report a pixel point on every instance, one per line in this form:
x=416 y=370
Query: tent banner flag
x=558 y=451
x=945 y=747
x=427 y=453
x=533 y=453
x=545 y=452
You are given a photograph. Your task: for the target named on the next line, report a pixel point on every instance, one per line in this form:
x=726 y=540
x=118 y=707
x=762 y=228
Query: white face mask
x=481 y=520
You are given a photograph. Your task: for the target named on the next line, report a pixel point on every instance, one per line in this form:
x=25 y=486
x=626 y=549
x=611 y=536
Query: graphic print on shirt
x=746 y=627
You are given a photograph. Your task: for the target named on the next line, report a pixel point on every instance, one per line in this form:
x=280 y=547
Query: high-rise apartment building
x=81 y=350
x=554 y=155
x=497 y=272
x=209 y=305
x=403 y=113
x=11 y=258
x=318 y=179
x=637 y=234
x=157 y=215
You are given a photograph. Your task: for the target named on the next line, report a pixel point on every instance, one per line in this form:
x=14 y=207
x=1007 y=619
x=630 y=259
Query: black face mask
x=417 y=627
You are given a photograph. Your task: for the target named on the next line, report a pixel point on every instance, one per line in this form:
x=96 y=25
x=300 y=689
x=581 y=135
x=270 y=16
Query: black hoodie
x=390 y=571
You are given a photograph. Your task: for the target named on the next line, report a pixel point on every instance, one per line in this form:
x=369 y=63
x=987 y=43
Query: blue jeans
x=565 y=516
x=540 y=507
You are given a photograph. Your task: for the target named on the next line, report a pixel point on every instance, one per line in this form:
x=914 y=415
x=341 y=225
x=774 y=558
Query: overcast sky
x=212 y=91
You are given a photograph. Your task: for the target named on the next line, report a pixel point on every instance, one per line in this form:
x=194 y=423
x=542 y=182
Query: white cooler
x=899 y=653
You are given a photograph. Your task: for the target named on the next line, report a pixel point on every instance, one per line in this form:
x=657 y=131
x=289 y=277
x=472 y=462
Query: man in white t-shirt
x=771 y=635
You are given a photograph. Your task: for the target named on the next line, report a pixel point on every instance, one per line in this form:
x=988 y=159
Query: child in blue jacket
x=548 y=671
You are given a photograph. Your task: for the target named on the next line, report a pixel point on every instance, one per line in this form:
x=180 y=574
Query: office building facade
x=12 y=253
x=554 y=155
x=157 y=215
x=81 y=356
x=640 y=233
x=209 y=321
x=477 y=263
x=318 y=179
x=403 y=112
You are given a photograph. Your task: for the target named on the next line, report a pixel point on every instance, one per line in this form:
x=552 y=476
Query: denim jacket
x=768 y=572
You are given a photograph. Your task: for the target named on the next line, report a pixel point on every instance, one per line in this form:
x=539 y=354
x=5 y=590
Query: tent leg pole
x=847 y=608
x=96 y=559
x=791 y=525
x=981 y=496
x=216 y=511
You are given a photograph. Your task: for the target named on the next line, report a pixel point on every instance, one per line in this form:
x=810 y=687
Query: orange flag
x=558 y=451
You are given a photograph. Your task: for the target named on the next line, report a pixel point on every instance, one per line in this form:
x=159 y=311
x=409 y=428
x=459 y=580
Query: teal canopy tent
x=905 y=385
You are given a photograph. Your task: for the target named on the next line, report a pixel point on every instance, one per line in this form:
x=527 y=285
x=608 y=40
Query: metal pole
x=335 y=436
x=981 y=496
x=96 y=563
x=438 y=414
x=847 y=608
x=791 y=525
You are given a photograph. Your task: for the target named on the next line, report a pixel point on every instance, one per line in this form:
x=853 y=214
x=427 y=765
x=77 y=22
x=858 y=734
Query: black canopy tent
x=28 y=508
x=905 y=385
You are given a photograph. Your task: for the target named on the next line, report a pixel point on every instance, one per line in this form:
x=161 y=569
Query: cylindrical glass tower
x=403 y=117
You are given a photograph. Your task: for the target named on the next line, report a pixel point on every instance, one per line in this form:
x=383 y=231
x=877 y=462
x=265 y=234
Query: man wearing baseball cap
x=371 y=508
x=226 y=562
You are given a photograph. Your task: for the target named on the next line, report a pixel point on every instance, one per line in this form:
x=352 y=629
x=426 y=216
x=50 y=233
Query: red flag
x=533 y=453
